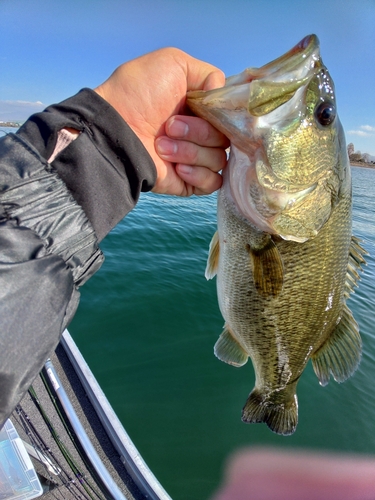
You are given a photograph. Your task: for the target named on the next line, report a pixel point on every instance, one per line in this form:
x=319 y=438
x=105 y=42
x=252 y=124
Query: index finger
x=196 y=130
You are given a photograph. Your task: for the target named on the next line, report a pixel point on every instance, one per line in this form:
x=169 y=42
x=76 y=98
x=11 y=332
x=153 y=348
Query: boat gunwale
x=129 y=455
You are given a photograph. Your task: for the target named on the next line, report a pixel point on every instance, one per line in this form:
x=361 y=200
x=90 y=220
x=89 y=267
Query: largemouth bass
x=284 y=255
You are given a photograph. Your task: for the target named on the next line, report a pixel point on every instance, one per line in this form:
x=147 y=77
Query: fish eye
x=325 y=113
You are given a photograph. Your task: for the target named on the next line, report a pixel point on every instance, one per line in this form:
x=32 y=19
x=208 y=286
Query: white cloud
x=363 y=131
x=22 y=103
x=365 y=139
x=18 y=110
x=368 y=128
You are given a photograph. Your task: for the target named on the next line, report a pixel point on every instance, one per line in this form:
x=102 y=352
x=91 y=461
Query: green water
x=147 y=324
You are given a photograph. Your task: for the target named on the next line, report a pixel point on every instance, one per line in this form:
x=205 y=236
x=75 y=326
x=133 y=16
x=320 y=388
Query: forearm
x=51 y=218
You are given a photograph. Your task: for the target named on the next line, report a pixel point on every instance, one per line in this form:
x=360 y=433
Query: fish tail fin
x=279 y=410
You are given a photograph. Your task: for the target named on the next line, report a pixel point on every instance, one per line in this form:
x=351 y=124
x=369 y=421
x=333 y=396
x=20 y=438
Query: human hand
x=150 y=93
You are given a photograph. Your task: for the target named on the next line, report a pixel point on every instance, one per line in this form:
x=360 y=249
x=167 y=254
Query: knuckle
x=195 y=155
x=188 y=153
x=205 y=133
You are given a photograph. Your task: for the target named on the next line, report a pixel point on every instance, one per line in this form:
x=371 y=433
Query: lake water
x=147 y=324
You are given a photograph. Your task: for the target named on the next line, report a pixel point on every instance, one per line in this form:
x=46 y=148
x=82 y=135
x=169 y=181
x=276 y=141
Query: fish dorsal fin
x=355 y=262
x=227 y=349
x=268 y=269
x=340 y=355
x=213 y=257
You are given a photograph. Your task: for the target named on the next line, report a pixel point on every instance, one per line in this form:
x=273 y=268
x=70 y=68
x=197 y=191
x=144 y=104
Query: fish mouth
x=257 y=91
x=276 y=82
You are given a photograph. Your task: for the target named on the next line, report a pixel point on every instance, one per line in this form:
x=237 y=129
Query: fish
x=283 y=254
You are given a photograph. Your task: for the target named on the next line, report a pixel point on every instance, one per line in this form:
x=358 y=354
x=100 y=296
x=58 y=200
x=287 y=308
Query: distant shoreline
x=10 y=124
x=362 y=164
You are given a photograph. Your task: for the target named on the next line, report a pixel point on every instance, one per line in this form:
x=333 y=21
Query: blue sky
x=50 y=49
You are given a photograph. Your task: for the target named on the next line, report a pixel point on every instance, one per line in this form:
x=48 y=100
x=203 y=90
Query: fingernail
x=177 y=128
x=166 y=147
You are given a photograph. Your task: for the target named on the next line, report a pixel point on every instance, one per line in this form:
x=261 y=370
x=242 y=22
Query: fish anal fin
x=268 y=269
x=213 y=257
x=340 y=354
x=227 y=349
x=277 y=409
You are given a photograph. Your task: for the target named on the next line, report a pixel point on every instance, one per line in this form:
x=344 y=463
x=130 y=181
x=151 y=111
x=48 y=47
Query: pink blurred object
x=272 y=474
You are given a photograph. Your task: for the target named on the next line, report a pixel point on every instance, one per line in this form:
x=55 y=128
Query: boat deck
x=83 y=481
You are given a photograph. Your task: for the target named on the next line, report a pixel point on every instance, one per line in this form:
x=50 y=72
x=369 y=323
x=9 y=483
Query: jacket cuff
x=105 y=168
x=34 y=198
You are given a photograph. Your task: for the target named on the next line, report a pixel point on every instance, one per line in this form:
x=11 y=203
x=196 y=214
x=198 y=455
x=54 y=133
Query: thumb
x=201 y=75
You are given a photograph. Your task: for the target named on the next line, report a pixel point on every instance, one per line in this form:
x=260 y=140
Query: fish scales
x=297 y=310
x=283 y=254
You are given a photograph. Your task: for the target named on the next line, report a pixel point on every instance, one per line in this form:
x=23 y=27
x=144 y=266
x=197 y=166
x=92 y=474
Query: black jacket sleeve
x=51 y=218
x=105 y=168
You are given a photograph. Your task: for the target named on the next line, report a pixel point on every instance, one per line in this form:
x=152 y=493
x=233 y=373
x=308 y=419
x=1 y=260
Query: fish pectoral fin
x=227 y=349
x=278 y=409
x=340 y=355
x=268 y=269
x=213 y=257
